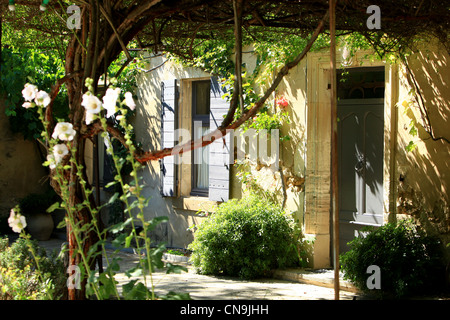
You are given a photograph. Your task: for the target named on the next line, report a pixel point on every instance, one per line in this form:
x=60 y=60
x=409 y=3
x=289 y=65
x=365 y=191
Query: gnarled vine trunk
x=88 y=55
x=81 y=63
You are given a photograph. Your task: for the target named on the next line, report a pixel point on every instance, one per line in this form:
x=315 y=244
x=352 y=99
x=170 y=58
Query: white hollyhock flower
x=110 y=100
x=91 y=103
x=89 y=117
x=29 y=92
x=59 y=152
x=42 y=98
x=52 y=161
x=28 y=105
x=12 y=7
x=16 y=221
x=129 y=101
x=64 y=131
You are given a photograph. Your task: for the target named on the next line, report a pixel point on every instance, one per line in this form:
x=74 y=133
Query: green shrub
x=410 y=262
x=19 y=276
x=245 y=238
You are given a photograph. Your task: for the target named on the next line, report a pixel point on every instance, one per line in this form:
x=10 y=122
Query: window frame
x=205 y=120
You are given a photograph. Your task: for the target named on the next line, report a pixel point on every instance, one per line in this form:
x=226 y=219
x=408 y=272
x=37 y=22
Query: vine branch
x=53 y=94
x=119 y=38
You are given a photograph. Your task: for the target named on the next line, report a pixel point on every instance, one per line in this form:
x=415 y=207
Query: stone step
x=322 y=277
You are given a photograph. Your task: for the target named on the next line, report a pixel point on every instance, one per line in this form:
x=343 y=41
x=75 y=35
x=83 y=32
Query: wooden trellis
x=114 y=24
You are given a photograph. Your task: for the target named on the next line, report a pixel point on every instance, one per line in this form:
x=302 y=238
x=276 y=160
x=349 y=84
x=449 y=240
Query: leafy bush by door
x=245 y=238
x=410 y=262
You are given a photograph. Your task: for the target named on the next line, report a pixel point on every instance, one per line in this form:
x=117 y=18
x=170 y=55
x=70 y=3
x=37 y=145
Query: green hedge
x=245 y=238
x=410 y=262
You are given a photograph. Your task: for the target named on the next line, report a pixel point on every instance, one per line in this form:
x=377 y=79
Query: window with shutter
x=208 y=174
x=168 y=126
x=220 y=155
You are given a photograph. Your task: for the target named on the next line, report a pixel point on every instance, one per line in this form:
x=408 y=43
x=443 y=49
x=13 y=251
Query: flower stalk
x=82 y=216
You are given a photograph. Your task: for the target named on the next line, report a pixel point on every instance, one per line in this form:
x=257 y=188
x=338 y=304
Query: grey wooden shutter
x=219 y=152
x=169 y=95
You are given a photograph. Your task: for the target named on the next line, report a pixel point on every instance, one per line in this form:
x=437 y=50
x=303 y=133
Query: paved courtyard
x=202 y=287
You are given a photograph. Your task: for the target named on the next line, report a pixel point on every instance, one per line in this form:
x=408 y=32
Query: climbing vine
x=198 y=35
x=20 y=66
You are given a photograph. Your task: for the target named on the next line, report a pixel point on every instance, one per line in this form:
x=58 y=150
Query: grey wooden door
x=360 y=149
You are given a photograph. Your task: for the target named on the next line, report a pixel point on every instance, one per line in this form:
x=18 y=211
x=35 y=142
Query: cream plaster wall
x=423 y=175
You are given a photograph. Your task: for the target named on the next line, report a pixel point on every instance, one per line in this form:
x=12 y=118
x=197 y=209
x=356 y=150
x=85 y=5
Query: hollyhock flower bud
x=52 y=161
x=16 y=221
x=28 y=105
x=129 y=101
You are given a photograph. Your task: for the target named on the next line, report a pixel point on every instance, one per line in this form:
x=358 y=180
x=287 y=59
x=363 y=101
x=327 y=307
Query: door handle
x=359 y=165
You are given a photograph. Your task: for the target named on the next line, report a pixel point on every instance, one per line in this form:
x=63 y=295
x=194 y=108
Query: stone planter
x=40 y=226
x=174 y=258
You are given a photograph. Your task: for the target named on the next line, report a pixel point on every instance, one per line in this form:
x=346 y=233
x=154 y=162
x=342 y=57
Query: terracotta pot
x=40 y=225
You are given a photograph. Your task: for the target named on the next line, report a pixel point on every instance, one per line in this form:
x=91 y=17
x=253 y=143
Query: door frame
x=317 y=217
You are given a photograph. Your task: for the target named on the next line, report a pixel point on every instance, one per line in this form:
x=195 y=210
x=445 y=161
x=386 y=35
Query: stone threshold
x=321 y=277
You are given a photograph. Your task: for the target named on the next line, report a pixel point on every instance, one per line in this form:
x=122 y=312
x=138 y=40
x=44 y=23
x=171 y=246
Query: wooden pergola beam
x=334 y=151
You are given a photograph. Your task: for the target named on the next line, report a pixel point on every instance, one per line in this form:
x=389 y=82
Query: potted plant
x=34 y=207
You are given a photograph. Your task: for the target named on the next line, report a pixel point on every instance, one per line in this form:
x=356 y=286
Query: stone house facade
x=390 y=166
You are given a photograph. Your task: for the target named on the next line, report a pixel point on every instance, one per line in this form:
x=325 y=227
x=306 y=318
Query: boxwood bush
x=410 y=262
x=245 y=238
